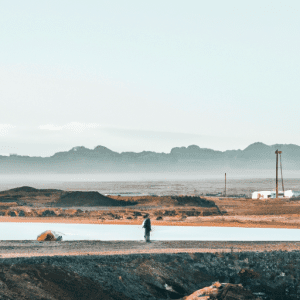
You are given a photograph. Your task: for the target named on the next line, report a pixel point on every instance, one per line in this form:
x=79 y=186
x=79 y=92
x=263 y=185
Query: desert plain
x=26 y=204
x=157 y=270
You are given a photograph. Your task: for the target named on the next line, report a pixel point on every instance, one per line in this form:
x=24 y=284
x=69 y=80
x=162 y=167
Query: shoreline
x=209 y=223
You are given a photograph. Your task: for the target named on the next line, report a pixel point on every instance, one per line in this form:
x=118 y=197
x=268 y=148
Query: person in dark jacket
x=147 y=226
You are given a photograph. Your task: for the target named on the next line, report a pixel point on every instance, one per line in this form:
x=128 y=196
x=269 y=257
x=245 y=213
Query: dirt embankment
x=92 y=206
x=33 y=205
x=272 y=275
x=29 y=196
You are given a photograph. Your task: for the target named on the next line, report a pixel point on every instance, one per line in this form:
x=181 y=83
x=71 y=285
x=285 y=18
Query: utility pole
x=225 y=184
x=281 y=175
x=277 y=152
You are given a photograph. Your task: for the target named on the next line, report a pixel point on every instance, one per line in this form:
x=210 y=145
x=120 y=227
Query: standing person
x=147 y=226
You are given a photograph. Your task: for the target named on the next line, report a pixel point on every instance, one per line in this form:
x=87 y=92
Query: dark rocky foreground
x=272 y=275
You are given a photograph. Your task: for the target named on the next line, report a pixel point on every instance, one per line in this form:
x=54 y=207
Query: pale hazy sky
x=148 y=75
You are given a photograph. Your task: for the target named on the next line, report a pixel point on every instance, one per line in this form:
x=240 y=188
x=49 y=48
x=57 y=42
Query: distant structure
x=272 y=194
x=225 y=185
x=276 y=193
x=278 y=152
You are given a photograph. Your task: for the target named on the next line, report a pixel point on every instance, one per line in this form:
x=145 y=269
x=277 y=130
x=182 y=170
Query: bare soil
x=27 y=204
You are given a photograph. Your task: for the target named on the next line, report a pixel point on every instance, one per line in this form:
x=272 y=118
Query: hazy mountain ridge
x=191 y=158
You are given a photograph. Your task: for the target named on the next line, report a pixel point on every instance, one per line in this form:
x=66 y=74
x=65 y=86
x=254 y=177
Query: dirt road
x=9 y=249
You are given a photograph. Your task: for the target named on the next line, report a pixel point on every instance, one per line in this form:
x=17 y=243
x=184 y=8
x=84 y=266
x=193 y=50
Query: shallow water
x=69 y=232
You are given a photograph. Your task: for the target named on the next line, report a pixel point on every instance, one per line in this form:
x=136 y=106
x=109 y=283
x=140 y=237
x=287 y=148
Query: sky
x=148 y=75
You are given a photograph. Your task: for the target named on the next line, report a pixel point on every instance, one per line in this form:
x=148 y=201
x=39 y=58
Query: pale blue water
x=134 y=185
x=71 y=232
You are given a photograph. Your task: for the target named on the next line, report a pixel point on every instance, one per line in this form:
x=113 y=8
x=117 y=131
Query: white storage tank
x=272 y=194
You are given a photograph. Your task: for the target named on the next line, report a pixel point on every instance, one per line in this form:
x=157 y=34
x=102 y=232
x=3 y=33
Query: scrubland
x=28 y=204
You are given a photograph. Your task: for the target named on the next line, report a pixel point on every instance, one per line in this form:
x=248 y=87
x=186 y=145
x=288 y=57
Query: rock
x=137 y=214
x=206 y=292
x=234 y=292
x=79 y=212
x=48 y=213
x=21 y=213
x=12 y=213
x=170 y=213
x=222 y=291
x=49 y=236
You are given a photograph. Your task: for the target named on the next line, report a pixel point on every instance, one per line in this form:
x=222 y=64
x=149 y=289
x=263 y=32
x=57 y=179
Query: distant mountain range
x=257 y=156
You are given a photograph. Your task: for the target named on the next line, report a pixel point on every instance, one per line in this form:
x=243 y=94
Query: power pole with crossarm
x=277 y=152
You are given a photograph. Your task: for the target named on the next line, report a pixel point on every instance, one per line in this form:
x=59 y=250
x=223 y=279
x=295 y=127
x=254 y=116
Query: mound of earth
x=26 y=195
x=193 y=201
x=42 y=282
x=23 y=189
x=162 y=201
x=88 y=199
x=30 y=196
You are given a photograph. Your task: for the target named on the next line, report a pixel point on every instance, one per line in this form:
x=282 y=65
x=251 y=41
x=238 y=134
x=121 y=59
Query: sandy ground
x=55 y=206
x=284 y=221
x=10 y=249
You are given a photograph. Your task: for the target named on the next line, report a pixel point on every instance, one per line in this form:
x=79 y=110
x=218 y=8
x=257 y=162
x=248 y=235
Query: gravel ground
x=274 y=274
